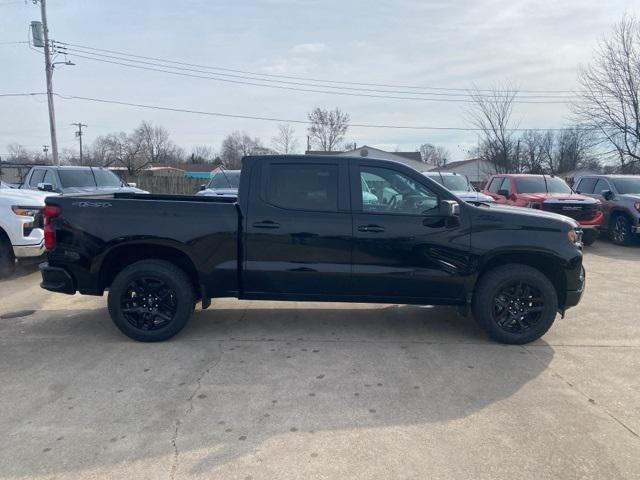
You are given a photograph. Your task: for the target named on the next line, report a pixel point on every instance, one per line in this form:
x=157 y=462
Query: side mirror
x=449 y=208
x=503 y=193
x=132 y=185
x=203 y=187
x=45 y=187
x=607 y=194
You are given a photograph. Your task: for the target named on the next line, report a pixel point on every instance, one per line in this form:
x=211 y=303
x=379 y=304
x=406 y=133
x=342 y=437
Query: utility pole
x=48 y=66
x=79 y=135
x=45 y=149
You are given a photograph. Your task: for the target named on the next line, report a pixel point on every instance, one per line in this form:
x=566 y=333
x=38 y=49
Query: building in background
x=476 y=170
x=13 y=173
x=412 y=159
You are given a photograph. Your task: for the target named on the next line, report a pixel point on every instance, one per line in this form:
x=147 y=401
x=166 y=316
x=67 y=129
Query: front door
x=298 y=232
x=404 y=248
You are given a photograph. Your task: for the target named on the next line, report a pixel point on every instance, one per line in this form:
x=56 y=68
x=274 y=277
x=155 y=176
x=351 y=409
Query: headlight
x=26 y=211
x=575 y=236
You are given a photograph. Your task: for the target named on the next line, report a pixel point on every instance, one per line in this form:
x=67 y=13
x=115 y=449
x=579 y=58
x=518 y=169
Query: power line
x=450 y=89
x=310 y=90
x=167 y=64
x=284 y=120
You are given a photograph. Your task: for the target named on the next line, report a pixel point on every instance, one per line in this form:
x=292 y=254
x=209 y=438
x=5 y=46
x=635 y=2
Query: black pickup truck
x=315 y=228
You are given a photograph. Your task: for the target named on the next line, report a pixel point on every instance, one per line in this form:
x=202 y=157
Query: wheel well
x=122 y=257
x=547 y=266
x=617 y=213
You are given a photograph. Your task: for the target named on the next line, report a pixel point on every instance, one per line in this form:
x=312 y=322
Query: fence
x=168 y=185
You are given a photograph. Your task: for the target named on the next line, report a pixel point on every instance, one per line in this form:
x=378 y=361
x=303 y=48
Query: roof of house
x=458 y=163
x=193 y=167
x=410 y=155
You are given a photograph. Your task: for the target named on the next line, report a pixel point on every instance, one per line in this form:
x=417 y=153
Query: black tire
x=151 y=300
x=502 y=315
x=7 y=259
x=620 y=230
x=589 y=236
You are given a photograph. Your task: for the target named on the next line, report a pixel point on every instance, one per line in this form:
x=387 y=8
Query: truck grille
x=576 y=211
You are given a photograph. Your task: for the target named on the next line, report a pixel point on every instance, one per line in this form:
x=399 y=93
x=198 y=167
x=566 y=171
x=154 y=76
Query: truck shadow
x=238 y=378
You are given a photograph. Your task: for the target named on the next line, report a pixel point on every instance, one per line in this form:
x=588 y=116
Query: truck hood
x=26 y=198
x=561 y=197
x=528 y=214
x=219 y=192
x=634 y=197
x=72 y=190
x=472 y=196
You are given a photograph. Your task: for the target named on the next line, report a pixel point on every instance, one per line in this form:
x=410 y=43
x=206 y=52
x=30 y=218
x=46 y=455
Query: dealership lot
x=291 y=390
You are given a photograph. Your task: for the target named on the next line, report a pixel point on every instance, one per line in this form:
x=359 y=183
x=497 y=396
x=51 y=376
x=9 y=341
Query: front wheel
x=589 y=236
x=515 y=304
x=621 y=230
x=151 y=300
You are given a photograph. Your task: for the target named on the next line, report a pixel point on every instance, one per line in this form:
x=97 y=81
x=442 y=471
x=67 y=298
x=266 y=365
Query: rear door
x=298 y=229
x=404 y=248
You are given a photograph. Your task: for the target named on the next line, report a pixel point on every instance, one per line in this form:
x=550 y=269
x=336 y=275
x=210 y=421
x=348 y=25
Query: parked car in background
x=69 y=180
x=620 y=196
x=548 y=193
x=21 y=222
x=305 y=228
x=459 y=185
x=224 y=183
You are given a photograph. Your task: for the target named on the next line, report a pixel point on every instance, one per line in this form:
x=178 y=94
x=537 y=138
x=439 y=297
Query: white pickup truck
x=21 y=234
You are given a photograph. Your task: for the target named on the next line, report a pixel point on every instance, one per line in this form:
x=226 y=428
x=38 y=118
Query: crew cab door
x=405 y=249
x=298 y=229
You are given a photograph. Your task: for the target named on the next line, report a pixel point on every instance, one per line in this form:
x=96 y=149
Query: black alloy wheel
x=517 y=307
x=148 y=303
x=621 y=230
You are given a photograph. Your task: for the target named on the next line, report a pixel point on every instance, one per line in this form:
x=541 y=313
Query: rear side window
x=586 y=185
x=601 y=185
x=37 y=177
x=304 y=187
x=494 y=186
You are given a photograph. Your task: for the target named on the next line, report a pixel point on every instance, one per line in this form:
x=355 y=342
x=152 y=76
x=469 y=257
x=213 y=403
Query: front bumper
x=29 y=251
x=56 y=279
x=573 y=296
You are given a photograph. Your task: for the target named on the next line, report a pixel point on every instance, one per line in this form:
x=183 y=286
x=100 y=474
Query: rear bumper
x=573 y=296
x=29 y=251
x=56 y=279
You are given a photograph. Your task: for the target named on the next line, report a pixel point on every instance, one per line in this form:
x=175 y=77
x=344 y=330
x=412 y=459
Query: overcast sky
x=537 y=45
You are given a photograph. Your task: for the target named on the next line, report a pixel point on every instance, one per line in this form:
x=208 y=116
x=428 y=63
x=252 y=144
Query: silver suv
x=620 y=197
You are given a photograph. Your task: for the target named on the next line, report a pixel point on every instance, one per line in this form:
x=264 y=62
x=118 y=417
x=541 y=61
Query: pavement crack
x=585 y=395
x=177 y=424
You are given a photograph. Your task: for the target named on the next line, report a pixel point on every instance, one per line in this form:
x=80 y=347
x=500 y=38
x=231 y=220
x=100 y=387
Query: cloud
x=309 y=48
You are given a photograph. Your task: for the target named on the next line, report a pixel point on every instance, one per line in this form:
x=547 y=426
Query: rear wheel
x=7 y=259
x=151 y=300
x=515 y=304
x=589 y=236
x=620 y=230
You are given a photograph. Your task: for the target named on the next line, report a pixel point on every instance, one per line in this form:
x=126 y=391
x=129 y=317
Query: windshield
x=455 y=183
x=541 y=185
x=627 y=185
x=85 y=178
x=228 y=179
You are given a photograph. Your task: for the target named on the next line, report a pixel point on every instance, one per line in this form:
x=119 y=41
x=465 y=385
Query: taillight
x=50 y=212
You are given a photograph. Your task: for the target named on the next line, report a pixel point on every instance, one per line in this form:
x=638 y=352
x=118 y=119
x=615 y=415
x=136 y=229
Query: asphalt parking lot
x=254 y=390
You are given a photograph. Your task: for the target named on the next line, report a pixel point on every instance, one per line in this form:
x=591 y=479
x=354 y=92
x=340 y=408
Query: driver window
x=49 y=177
x=387 y=191
x=506 y=185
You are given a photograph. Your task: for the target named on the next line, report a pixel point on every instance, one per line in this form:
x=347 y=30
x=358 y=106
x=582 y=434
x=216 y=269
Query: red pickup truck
x=548 y=193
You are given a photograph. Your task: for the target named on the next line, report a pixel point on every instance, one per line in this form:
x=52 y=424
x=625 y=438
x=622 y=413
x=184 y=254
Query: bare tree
x=609 y=101
x=19 y=154
x=536 y=148
x=285 y=141
x=328 y=128
x=237 y=145
x=120 y=149
x=156 y=146
x=491 y=112
x=433 y=155
x=202 y=154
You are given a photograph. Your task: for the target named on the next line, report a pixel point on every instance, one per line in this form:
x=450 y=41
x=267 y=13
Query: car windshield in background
x=541 y=185
x=228 y=179
x=88 y=179
x=455 y=183
x=627 y=185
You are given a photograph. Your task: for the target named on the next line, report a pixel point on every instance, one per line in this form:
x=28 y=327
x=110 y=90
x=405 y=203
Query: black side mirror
x=203 y=187
x=449 y=208
x=45 y=187
x=503 y=193
x=607 y=194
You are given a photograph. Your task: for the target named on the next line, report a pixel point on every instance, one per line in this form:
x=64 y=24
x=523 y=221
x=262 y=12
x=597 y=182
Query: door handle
x=371 y=228
x=266 y=224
